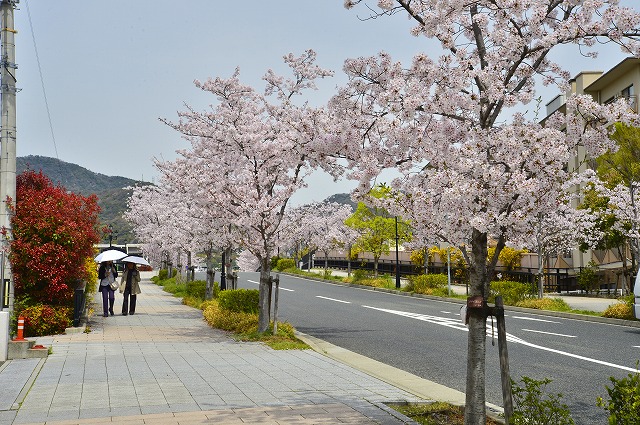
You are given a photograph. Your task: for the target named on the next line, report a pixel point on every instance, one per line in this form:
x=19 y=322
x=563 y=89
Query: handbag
x=113 y=284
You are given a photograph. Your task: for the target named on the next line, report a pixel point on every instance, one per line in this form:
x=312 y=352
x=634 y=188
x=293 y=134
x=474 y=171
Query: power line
x=44 y=92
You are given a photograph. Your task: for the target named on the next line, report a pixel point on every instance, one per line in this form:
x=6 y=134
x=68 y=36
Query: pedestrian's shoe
x=131 y=313
x=106 y=315
x=111 y=311
x=124 y=314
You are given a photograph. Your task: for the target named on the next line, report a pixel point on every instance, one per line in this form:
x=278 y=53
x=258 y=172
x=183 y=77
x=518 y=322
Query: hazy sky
x=111 y=69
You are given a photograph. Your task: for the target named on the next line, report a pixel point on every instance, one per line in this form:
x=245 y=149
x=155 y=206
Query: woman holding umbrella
x=107 y=274
x=129 y=287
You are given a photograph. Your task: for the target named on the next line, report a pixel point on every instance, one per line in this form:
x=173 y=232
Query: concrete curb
x=423 y=388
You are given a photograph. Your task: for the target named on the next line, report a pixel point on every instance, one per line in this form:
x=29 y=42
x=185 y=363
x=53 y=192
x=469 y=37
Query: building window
x=629 y=94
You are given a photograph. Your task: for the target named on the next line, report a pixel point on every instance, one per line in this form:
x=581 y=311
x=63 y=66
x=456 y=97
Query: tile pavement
x=164 y=365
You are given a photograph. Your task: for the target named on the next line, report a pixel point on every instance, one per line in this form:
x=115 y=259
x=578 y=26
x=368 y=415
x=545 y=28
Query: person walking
x=130 y=288
x=107 y=274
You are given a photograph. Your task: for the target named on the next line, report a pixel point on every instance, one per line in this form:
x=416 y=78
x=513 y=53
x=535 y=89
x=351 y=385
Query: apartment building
x=623 y=80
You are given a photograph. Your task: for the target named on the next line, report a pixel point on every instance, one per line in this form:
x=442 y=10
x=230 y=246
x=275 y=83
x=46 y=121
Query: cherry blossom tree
x=478 y=170
x=168 y=220
x=321 y=225
x=258 y=143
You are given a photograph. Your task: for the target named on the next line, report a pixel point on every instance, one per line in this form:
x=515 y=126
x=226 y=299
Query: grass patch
x=437 y=413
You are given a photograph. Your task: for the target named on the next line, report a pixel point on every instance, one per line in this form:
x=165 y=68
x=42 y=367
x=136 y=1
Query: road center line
x=333 y=299
x=549 y=333
x=279 y=287
x=533 y=319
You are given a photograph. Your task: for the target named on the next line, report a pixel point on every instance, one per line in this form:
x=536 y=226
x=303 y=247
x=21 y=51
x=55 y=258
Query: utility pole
x=7 y=156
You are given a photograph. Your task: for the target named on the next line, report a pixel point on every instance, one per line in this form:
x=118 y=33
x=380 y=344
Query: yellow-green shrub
x=619 y=311
x=553 y=304
x=430 y=284
x=512 y=292
x=44 y=319
x=285 y=263
x=227 y=320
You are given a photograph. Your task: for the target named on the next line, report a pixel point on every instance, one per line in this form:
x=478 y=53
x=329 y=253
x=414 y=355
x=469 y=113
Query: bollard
x=20 y=336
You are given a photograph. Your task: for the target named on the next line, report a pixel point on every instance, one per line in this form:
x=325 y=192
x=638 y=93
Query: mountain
x=342 y=198
x=112 y=197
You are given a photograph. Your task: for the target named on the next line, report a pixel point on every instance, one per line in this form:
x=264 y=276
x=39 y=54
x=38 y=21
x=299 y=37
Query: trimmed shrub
x=196 y=288
x=359 y=274
x=163 y=274
x=285 y=263
x=233 y=321
x=619 y=311
x=42 y=319
x=240 y=300
x=430 y=284
x=553 y=304
x=512 y=292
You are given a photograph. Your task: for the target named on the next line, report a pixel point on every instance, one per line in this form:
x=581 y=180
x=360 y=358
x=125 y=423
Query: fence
x=555 y=280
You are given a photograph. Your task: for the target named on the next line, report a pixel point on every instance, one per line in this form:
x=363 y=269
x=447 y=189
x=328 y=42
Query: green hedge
x=240 y=300
x=285 y=263
x=512 y=292
x=196 y=288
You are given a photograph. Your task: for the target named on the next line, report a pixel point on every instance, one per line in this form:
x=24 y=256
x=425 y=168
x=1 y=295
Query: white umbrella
x=134 y=259
x=110 y=255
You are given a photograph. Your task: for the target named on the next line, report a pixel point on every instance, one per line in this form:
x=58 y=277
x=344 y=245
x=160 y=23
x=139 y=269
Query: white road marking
x=550 y=333
x=533 y=319
x=445 y=312
x=333 y=299
x=456 y=324
x=279 y=287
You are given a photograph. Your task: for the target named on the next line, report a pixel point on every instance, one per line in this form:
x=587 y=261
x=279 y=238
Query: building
x=621 y=81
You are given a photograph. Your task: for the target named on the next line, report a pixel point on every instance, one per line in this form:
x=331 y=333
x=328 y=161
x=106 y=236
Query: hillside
x=112 y=198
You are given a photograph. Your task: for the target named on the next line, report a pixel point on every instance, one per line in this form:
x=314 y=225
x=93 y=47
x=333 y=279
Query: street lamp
x=113 y=234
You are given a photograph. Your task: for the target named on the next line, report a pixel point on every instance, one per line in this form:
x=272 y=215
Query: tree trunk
x=475 y=411
x=210 y=275
x=265 y=301
x=540 y=273
x=375 y=267
x=189 y=274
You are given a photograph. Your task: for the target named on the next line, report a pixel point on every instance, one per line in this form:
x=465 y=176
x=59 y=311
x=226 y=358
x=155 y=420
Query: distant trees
x=376 y=228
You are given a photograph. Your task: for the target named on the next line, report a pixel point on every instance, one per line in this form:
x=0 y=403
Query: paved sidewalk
x=164 y=365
